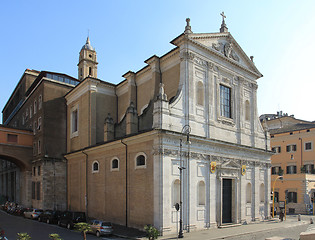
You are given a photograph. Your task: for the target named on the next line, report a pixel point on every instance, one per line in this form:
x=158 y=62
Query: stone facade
x=194 y=108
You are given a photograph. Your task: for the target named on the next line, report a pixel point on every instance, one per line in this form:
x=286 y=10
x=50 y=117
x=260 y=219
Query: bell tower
x=87 y=65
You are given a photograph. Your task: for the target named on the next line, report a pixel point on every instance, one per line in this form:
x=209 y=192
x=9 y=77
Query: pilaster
x=154 y=63
x=132 y=88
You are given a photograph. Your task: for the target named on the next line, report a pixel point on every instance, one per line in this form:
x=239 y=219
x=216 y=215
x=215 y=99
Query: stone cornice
x=87 y=85
x=122 y=88
x=220 y=159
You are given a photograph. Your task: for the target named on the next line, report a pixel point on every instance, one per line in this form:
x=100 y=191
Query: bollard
x=299 y=217
x=311 y=220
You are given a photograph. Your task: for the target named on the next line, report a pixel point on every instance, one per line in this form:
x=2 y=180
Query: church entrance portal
x=227 y=201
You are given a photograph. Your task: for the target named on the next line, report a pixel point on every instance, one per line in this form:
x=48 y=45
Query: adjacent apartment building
x=195 y=109
x=292 y=142
x=38 y=104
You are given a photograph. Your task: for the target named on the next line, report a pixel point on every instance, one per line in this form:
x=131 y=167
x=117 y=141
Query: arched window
x=95 y=166
x=248 y=193
x=202 y=193
x=176 y=192
x=200 y=93
x=141 y=160
x=115 y=164
x=247 y=110
x=262 y=193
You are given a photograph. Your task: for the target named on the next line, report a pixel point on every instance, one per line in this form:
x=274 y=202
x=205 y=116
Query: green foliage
x=23 y=236
x=82 y=227
x=55 y=236
x=280 y=172
x=303 y=169
x=152 y=232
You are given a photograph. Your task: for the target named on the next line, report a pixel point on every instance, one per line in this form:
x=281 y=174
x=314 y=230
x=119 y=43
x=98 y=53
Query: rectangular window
x=35 y=107
x=292 y=197
x=12 y=138
x=39 y=123
x=308 y=146
x=225 y=101
x=276 y=170
x=291 y=148
x=33 y=190
x=31 y=111
x=38 y=170
x=276 y=149
x=40 y=101
x=38 y=190
x=291 y=169
x=276 y=196
x=39 y=147
x=74 y=120
x=308 y=168
x=35 y=127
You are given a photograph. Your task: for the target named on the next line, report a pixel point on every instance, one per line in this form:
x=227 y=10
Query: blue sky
x=48 y=35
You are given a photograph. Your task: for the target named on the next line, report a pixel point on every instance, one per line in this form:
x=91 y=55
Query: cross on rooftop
x=223 y=16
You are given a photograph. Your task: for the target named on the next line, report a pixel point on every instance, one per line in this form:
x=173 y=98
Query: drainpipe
x=301 y=152
x=86 y=184
x=126 y=181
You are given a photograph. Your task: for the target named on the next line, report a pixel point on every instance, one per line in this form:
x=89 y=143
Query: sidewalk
x=220 y=233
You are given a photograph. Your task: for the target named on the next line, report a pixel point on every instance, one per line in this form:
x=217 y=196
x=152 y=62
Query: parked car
x=68 y=219
x=100 y=228
x=49 y=216
x=32 y=213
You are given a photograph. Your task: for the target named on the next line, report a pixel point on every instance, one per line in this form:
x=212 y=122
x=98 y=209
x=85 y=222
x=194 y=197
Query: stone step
x=228 y=225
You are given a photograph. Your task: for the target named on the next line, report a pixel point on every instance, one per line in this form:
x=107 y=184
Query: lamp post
x=186 y=130
x=273 y=195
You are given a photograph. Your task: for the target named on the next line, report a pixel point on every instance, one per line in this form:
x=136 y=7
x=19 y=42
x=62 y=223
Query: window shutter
x=288 y=169
x=294 y=169
x=295 y=197
x=288 y=148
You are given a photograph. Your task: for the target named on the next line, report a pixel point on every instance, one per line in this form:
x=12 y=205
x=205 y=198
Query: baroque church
x=182 y=131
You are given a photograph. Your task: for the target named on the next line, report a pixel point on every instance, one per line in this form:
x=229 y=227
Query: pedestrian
x=281 y=215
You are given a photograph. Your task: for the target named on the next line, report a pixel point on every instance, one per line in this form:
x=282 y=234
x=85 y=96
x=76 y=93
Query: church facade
x=184 y=129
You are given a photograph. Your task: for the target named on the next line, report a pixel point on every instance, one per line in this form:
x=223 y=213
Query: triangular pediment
x=224 y=45
x=230 y=164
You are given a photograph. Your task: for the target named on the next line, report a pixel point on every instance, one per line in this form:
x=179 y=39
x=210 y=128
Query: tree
x=55 y=236
x=152 y=232
x=23 y=236
x=82 y=227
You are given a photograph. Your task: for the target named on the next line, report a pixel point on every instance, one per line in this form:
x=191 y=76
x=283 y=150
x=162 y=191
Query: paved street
x=37 y=230
x=291 y=229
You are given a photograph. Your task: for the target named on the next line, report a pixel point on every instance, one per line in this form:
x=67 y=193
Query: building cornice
x=90 y=85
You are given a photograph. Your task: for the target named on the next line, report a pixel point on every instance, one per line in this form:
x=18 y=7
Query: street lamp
x=186 y=130
x=273 y=195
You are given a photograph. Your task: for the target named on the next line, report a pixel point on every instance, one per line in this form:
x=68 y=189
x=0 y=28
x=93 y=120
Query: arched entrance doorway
x=16 y=154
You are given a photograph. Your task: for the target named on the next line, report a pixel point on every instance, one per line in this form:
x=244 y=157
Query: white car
x=32 y=213
x=101 y=228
